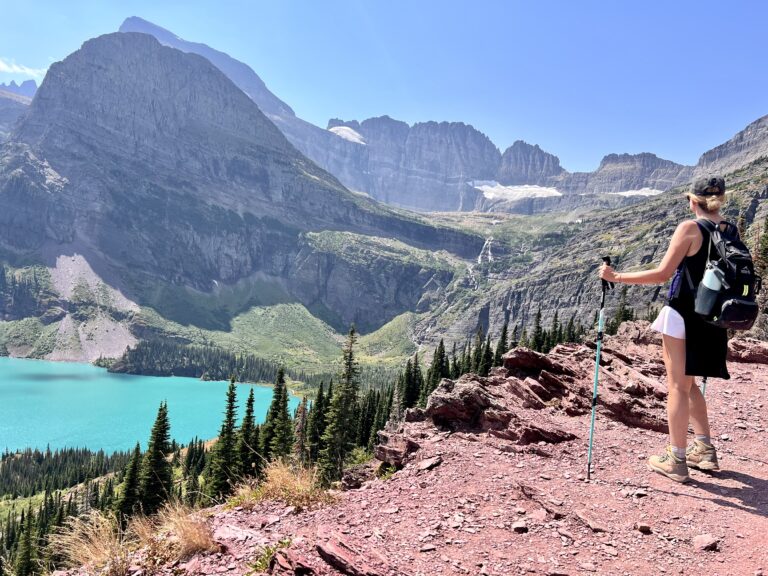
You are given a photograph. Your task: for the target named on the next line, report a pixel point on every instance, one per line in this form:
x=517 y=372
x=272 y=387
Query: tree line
x=24 y=549
x=28 y=472
x=168 y=358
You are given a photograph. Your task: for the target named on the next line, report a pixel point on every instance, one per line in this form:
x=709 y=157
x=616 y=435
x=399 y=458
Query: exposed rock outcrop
x=519 y=402
x=523 y=163
x=746 y=146
x=626 y=172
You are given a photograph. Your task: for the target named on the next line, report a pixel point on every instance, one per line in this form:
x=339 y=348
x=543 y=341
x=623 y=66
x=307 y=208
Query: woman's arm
x=681 y=242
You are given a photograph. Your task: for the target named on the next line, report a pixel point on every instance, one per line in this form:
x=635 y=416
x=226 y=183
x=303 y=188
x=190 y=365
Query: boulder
x=638 y=332
x=393 y=448
x=288 y=561
x=355 y=477
x=527 y=362
x=341 y=556
x=461 y=403
x=706 y=542
x=748 y=350
x=414 y=415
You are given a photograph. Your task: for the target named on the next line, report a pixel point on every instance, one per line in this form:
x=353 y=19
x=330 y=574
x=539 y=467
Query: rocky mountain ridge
x=746 y=146
x=27 y=88
x=429 y=166
x=489 y=479
x=149 y=164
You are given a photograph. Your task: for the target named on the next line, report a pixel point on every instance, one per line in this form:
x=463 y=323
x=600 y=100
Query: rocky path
x=478 y=497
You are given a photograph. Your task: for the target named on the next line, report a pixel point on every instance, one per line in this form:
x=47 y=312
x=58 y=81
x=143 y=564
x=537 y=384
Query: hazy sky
x=580 y=78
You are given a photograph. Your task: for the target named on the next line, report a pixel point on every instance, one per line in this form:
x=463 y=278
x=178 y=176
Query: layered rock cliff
x=161 y=172
x=523 y=163
x=746 y=146
x=621 y=173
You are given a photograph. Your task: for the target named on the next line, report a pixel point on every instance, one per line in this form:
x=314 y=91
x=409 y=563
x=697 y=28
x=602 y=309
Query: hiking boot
x=702 y=456
x=669 y=465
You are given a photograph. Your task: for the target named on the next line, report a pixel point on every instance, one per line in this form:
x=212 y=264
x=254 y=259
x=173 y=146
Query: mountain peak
x=241 y=74
x=153 y=100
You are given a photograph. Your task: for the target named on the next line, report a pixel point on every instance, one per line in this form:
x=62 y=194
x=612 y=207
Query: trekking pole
x=600 y=322
x=704 y=386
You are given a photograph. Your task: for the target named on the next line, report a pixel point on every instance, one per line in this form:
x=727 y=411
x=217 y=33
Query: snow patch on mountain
x=348 y=134
x=640 y=192
x=493 y=190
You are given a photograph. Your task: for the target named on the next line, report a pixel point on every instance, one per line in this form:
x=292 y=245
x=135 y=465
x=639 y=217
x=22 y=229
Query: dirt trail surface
x=493 y=481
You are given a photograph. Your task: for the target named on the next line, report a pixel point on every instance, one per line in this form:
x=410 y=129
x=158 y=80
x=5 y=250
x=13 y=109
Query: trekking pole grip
x=607 y=285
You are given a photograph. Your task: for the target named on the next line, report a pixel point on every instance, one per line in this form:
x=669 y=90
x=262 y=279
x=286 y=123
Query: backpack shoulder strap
x=708 y=225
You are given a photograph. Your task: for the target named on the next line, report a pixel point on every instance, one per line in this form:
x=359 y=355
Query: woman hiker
x=691 y=346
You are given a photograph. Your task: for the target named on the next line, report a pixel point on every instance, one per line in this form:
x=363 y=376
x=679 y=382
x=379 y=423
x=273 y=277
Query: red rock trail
x=493 y=481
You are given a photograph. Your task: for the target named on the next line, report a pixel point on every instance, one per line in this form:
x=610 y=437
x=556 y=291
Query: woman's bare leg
x=679 y=390
x=697 y=408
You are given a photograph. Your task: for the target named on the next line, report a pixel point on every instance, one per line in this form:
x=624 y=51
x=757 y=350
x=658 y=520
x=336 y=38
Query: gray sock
x=678 y=452
x=704 y=439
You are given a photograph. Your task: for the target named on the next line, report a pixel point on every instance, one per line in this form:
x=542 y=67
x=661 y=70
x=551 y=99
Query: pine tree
x=570 y=330
x=130 y=497
x=501 y=346
x=524 y=343
x=556 y=332
x=155 y=479
x=316 y=425
x=380 y=420
x=419 y=383
x=246 y=451
x=486 y=358
x=25 y=555
x=537 y=338
x=410 y=392
x=366 y=417
x=338 y=438
x=300 y=433
x=282 y=439
x=622 y=314
x=477 y=355
x=224 y=463
x=192 y=491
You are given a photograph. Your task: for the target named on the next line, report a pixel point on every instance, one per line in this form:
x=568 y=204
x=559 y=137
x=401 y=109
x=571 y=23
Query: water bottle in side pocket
x=709 y=289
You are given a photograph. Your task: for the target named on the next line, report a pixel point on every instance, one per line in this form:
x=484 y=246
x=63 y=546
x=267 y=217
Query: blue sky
x=580 y=78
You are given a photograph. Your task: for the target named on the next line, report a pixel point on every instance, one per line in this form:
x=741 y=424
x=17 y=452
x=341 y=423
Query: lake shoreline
x=69 y=404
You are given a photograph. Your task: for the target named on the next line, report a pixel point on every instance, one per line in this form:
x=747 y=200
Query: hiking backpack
x=726 y=295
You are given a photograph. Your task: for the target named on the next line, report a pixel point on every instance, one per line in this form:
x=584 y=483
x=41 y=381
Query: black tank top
x=706 y=345
x=683 y=302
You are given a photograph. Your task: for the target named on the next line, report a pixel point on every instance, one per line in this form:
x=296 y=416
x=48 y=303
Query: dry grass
x=93 y=541
x=188 y=528
x=175 y=533
x=294 y=485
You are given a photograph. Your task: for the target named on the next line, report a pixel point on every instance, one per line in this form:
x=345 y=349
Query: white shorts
x=670 y=322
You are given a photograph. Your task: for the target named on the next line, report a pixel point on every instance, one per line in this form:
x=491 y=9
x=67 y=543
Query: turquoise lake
x=63 y=404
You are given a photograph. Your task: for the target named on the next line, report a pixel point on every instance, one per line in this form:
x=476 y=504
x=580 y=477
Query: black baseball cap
x=708 y=186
